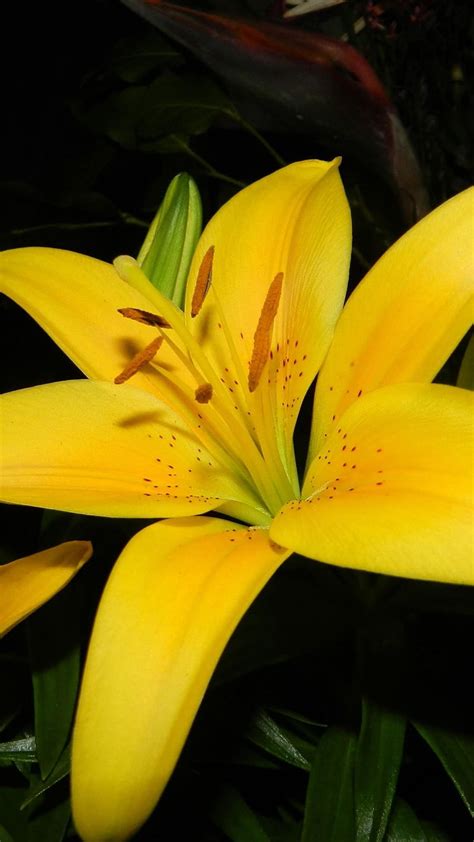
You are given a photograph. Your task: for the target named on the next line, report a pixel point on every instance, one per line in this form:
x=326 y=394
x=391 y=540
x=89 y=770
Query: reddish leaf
x=308 y=82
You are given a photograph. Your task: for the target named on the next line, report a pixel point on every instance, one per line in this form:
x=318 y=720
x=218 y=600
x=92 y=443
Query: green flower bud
x=166 y=253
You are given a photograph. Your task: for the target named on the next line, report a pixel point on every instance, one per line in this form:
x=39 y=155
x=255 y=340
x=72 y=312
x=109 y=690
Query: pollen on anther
x=203 y=393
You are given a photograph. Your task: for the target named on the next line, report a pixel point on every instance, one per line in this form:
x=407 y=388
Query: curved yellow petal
x=100 y=449
x=407 y=315
x=27 y=583
x=75 y=299
x=173 y=599
x=295 y=221
x=392 y=490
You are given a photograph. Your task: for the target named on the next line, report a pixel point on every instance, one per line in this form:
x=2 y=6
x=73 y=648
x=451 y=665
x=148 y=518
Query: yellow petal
x=295 y=221
x=174 y=598
x=75 y=299
x=407 y=315
x=27 y=583
x=100 y=449
x=391 y=491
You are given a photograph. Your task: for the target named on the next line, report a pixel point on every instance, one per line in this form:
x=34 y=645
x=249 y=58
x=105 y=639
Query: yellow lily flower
x=206 y=423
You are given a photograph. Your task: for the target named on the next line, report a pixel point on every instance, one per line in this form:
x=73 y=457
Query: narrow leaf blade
x=55 y=657
x=329 y=811
x=234 y=817
x=265 y=733
x=456 y=753
x=377 y=764
x=404 y=825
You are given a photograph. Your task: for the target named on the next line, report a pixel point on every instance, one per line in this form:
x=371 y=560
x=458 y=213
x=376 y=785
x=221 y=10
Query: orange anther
x=263 y=334
x=203 y=282
x=203 y=393
x=139 y=360
x=144 y=317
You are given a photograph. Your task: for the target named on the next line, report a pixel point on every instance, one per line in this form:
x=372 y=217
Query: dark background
x=66 y=183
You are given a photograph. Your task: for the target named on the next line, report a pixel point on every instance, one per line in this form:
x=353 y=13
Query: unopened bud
x=165 y=256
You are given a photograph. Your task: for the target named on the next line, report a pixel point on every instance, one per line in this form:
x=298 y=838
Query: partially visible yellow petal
x=174 y=598
x=406 y=317
x=75 y=299
x=392 y=490
x=101 y=449
x=27 y=583
x=295 y=221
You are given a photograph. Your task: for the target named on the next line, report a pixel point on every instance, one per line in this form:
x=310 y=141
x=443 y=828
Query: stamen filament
x=235 y=357
x=236 y=448
x=266 y=444
x=206 y=434
x=263 y=413
x=127 y=267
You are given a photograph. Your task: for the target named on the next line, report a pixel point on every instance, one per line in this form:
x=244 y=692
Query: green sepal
x=165 y=256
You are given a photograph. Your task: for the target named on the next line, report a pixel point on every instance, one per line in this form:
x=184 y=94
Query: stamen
x=238 y=439
x=263 y=334
x=139 y=360
x=203 y=282
x=203 y=393
x=144 y=317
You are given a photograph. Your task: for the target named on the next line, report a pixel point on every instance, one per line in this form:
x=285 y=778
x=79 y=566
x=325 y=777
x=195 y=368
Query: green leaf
x=456 y=753
x=404 y=825
x=58 y=774
x=117 y=115
x=135 y=57
x=246 y=755
x=14 y=822
x=54 y=642
x=329 y=810
x=50 y=823
x=264 y=732
x=23 y=749
x=434 y=833
x=282 y=829
x=301 y=726
x=181 y=105
x=5 y=836
x=377 y=764
x=233 y=816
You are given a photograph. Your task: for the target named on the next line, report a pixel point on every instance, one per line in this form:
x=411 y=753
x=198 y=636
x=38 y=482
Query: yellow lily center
x=220 y=413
